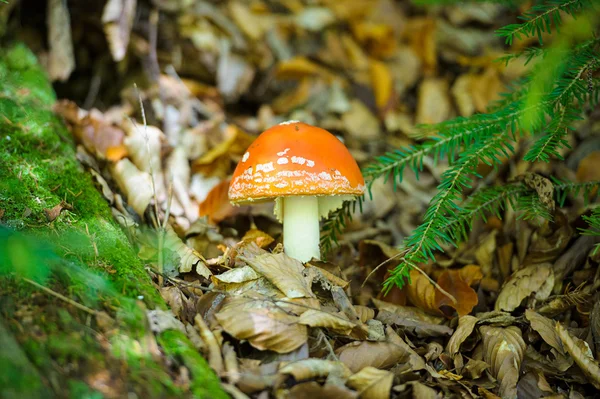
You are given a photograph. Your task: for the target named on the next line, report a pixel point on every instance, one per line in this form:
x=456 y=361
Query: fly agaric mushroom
x=307 y=171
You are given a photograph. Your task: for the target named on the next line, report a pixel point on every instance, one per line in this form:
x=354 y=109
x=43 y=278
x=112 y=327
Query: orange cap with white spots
x=294 y=158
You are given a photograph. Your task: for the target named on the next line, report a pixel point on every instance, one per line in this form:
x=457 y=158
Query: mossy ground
x=52 y=348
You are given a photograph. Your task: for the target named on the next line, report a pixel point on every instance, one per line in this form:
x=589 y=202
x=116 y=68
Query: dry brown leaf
x=313 y=389
x=237 y=275
x=299 y=68
x=360 y=122
x=420 y=391
x=524 y=282
x=143 y=144
x=337 y=323
x=188 y=256
x=434 y=103
x=409 y=312
x=215 y=360
x=315 y=368
x=117 y=18
x=364 y=313
x=588 y=170
x=216 y=205
x=360 y=354
x=466 y=324
x=413 y=359
x=421 y=36
x=382 y=83
x=216 y=162
x=503 y=350
x=91 y=129
x=372 y=383
x=474 y=92
x=546 y=328
x=418 y=327
x=421 y=293
x=283 y=271
x=54 y=212
x=457 y=283
x=378 y=39
x=135 y=184
x=581 y=353
x=61 y=58
x=259 y=237
x=264 y=325
x=292 y=99
x=234 y=73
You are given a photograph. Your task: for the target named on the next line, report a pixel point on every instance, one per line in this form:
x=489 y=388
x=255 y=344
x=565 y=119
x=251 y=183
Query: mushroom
x=307 y=171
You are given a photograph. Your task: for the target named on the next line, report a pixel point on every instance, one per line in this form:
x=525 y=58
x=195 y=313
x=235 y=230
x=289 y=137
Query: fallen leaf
x=378 y=39
x=283 y=271
x=546 y=328
x=216 y=205
x=162 y=320
x=258 y=237
x=135 y=184
x=360 y=122
x=372 y=383
x=421 y=34
x=300 y=67
x=315 y=368
x=466 y=324
x=421 y=293
x=457 y=283
x=54 y=212
x=503 y=350
x=117 y=19
x=588 y=170
x=264 y=325
x=237 y=275
x=416 y=327
x=234 y=73
x=333 y=322
x=581 y=353
x=364 y=313
x=215 y=359
x=523 y=283
x=433 y=104
x=409 y=312
x=61 y=60
x=313 y=389
x=360 y=354
x=382 y=83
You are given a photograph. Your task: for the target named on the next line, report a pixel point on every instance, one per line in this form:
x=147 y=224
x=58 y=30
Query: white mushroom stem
x=301 y=227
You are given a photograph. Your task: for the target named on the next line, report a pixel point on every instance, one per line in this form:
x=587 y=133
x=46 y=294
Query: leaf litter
x=496 y=317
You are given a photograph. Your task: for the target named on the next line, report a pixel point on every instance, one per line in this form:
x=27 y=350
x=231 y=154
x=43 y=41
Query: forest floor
x=126 y=272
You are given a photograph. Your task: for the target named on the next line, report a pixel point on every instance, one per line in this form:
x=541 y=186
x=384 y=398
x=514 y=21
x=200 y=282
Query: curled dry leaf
x=581 y=353
x=417 y=327
x=466 y=324
x=546 y=328
x=216 y=205
x=237 y=275
x=458 y=284
x=189 y=257
x=135 y=184
x=265 y=326
x=434 y=103
x=421 y=293
x=337 y=323
x=315 y=368
x=382 y=82
x=409 y=312
x=143 y=144
x=313 y=389
x=372 y=383
x=503 y=350
x=117 y=18
x=62 y=59
x=283 y=271
x=215 y=360
x=538 y=279
x=360 y=354
x=364 y=313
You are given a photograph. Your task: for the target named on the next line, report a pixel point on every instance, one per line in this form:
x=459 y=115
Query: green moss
x=83 y=254
x=205 y=383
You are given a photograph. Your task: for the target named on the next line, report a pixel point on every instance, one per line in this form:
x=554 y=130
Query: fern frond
x=540 y=18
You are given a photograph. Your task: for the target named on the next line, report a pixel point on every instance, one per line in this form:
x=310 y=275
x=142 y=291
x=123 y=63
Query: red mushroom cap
x=294 y=158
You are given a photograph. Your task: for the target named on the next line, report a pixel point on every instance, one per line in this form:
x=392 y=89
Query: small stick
x=62 y=297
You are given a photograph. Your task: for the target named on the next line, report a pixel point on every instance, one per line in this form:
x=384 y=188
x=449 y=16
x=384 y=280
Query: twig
x=62 y=297
x=436 y=285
